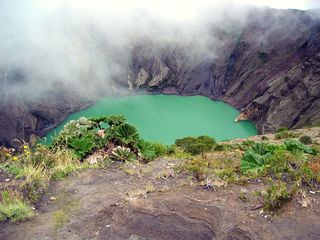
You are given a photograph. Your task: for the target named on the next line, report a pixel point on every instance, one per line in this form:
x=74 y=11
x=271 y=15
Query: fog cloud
x=86 y=45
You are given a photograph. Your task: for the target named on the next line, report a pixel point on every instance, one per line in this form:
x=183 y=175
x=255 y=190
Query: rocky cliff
x=21 y=119
x=269 y=68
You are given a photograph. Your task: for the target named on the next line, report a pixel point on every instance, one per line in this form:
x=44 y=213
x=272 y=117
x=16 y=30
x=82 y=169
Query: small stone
x=7 y=180
x=312 y=192
x=108 y=226
x=52 y=198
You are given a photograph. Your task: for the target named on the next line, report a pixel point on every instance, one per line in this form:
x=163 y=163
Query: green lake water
x=164 y=118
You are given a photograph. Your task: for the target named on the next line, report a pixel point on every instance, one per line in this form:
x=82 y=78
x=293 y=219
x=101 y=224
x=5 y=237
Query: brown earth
x=123 y=202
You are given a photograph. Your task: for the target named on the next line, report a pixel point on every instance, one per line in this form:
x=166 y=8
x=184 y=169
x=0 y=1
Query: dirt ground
x=126 y=202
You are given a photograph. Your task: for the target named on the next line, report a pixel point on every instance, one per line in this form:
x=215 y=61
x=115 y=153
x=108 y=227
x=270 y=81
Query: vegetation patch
x=284 y=133
x=109 y=138
x=194 y=146
x=13 y=207
x=276 y=196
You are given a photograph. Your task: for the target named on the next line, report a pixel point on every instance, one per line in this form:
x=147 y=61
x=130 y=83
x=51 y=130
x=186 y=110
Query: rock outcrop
x=20 y=119
x=270 y=70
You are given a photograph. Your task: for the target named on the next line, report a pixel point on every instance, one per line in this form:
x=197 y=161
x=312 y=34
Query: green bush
x=252 y=162
x=294 y=145
x=278 y=162
x=219 y=147
x=172 y=149
x=284 y=134
x=305 y=139
x=115 y=120
x=245 y=145
x=276 y=196
x=122 y=154
x=81 y=146
x=195 y=146
x=161 y=149
x=281 y=129
x=147 y=150
x=126 y=134
x=256 y=158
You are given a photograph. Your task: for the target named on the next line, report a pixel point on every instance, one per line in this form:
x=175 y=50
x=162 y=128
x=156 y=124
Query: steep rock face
x=270 y=73
x=20 y=119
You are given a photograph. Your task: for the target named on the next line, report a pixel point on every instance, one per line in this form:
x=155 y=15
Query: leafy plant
x=115 y=120
x=126 y=134
x=81 y=146
x=122 y=154
x=100 y=121
x=256 y=158
x=147 y=150
x=252 y=162
x=275 y=197
x=74 y=129
x=278 y=162
x=292 y=145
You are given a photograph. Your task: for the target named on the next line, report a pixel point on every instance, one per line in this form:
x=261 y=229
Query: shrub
x=35 y=180
x=172 y=149
x=219 y=147
x=81 y=146
x=195 y=146
x=252 y=162
x=115 y=120
x=147 y=150
x=122 y=154
x=284 y=134
x=305 y=139
x=294 y=145
x=256 y=158
x=281 y=129
x=275 y=197
x=74 y=129
x=278 y=161
x=12 y=207
x=160 y=149
x=245 y=145
x=126 y=134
